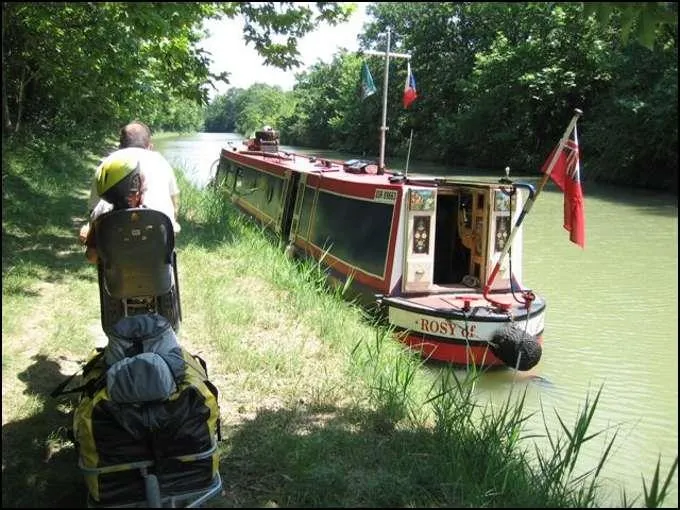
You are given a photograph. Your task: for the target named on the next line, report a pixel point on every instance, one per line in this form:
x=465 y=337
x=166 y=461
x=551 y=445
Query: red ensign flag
x=567 y=176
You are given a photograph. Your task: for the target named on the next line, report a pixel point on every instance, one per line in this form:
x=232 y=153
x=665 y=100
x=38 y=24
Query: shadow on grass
x=40 y=468
x=324 y=458
x=42 y=212
x=344 y=457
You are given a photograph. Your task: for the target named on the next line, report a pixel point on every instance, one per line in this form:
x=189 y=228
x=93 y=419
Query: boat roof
x=341 y=170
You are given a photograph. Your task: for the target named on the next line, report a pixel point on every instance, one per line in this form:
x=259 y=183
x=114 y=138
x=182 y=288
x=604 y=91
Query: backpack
x=144 y=359
x=145 y=400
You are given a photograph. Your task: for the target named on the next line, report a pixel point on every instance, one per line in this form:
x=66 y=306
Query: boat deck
x=468 y=299
x=335 y=170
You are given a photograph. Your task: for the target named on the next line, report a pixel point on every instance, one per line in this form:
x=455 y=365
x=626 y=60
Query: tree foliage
x=220 y=114
x=645 y=21
x=498 y=82
x=261 y=105
x=88 y=67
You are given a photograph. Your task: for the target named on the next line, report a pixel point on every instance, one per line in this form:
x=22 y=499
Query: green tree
x=220 y=114
x=319 y=94
x=247 y=110
x=647 y=22
x=261 y=105
x=88 y=67
x=178 y=115
x=497 y=83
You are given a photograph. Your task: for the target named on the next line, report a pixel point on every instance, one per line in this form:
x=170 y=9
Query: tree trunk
x=7 y=126
x=20 y=99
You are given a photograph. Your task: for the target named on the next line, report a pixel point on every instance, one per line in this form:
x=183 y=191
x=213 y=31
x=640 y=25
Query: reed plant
x=320 y=406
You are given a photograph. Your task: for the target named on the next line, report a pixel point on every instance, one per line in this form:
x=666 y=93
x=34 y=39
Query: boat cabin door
x=421 y=209
x=284 y=213
x=298 y=197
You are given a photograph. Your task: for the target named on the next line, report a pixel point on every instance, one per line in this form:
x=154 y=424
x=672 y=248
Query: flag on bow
x=367 y=85
x=565 y=172
x=409 y=88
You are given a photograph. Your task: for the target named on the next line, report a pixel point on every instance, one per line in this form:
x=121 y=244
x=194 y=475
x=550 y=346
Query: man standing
x=160 y=190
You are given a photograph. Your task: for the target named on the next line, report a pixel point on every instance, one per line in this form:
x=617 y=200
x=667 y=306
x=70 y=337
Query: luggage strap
x=59 y=390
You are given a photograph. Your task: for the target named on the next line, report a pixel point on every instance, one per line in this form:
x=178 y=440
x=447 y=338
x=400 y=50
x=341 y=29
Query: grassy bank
x=319 y=406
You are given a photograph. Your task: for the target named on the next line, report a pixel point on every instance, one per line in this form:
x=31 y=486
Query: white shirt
x=159 y=184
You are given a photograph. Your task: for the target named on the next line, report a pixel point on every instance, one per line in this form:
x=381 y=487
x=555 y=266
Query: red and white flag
x=410 y=93
x=566 y=174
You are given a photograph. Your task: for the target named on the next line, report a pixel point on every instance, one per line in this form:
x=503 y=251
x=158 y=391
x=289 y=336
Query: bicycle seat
x=135 y=249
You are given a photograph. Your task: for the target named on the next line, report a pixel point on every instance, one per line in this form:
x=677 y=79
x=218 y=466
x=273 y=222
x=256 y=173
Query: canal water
x=611 y=322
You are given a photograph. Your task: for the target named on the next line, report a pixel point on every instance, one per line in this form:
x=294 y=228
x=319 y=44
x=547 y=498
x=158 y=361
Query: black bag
x=173 y=428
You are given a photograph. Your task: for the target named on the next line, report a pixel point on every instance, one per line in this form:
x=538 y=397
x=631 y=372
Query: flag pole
x=383 y=128
x=556 y=154
x=529 y=204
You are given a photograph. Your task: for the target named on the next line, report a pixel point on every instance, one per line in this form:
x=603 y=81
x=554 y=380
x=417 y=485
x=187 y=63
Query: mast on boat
x=383 y=129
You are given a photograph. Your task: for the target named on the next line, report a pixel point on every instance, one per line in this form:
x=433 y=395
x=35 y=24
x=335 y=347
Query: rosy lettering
x=447 y=328
x=438 y=327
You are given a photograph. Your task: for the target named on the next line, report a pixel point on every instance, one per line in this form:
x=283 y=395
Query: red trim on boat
x=351 y=185
x=272 y=164
x=456 y=354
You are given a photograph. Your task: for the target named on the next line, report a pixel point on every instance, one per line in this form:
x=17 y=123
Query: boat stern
x=466 y=329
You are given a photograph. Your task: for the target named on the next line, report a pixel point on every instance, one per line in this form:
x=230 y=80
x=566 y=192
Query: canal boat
x=440 y=256
x=422 y=248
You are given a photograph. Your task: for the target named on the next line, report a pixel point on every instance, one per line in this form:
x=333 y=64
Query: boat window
x=232 y=173
x=238 y=184
x=221 y=173
x=356 y=231
x=269 y=193
x=225 y=175
x=262 y=191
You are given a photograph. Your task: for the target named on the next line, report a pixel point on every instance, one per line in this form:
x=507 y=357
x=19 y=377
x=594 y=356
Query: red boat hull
x=459 y=354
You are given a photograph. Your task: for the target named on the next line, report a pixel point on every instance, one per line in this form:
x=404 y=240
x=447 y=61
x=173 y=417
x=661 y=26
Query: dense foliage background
x=497 y=82
x=497 y=85
x=82 y=69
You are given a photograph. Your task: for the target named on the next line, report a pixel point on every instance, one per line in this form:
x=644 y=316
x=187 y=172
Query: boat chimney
x=506 y=179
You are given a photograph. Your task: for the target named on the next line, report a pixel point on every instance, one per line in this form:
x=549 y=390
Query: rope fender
x=516 y=348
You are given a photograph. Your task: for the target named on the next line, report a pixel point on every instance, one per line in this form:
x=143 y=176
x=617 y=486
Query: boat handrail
x=441 y=181
x=266 y=154
x=528 y=187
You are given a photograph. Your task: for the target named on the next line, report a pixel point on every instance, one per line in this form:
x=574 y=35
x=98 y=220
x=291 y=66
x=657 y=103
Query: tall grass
x=320 y=406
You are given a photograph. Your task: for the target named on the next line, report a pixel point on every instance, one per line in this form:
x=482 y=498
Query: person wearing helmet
x=160 y=190
x=118 y=182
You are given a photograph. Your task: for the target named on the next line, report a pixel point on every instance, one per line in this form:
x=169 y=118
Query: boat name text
x=388 y=196
x=444 y=327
